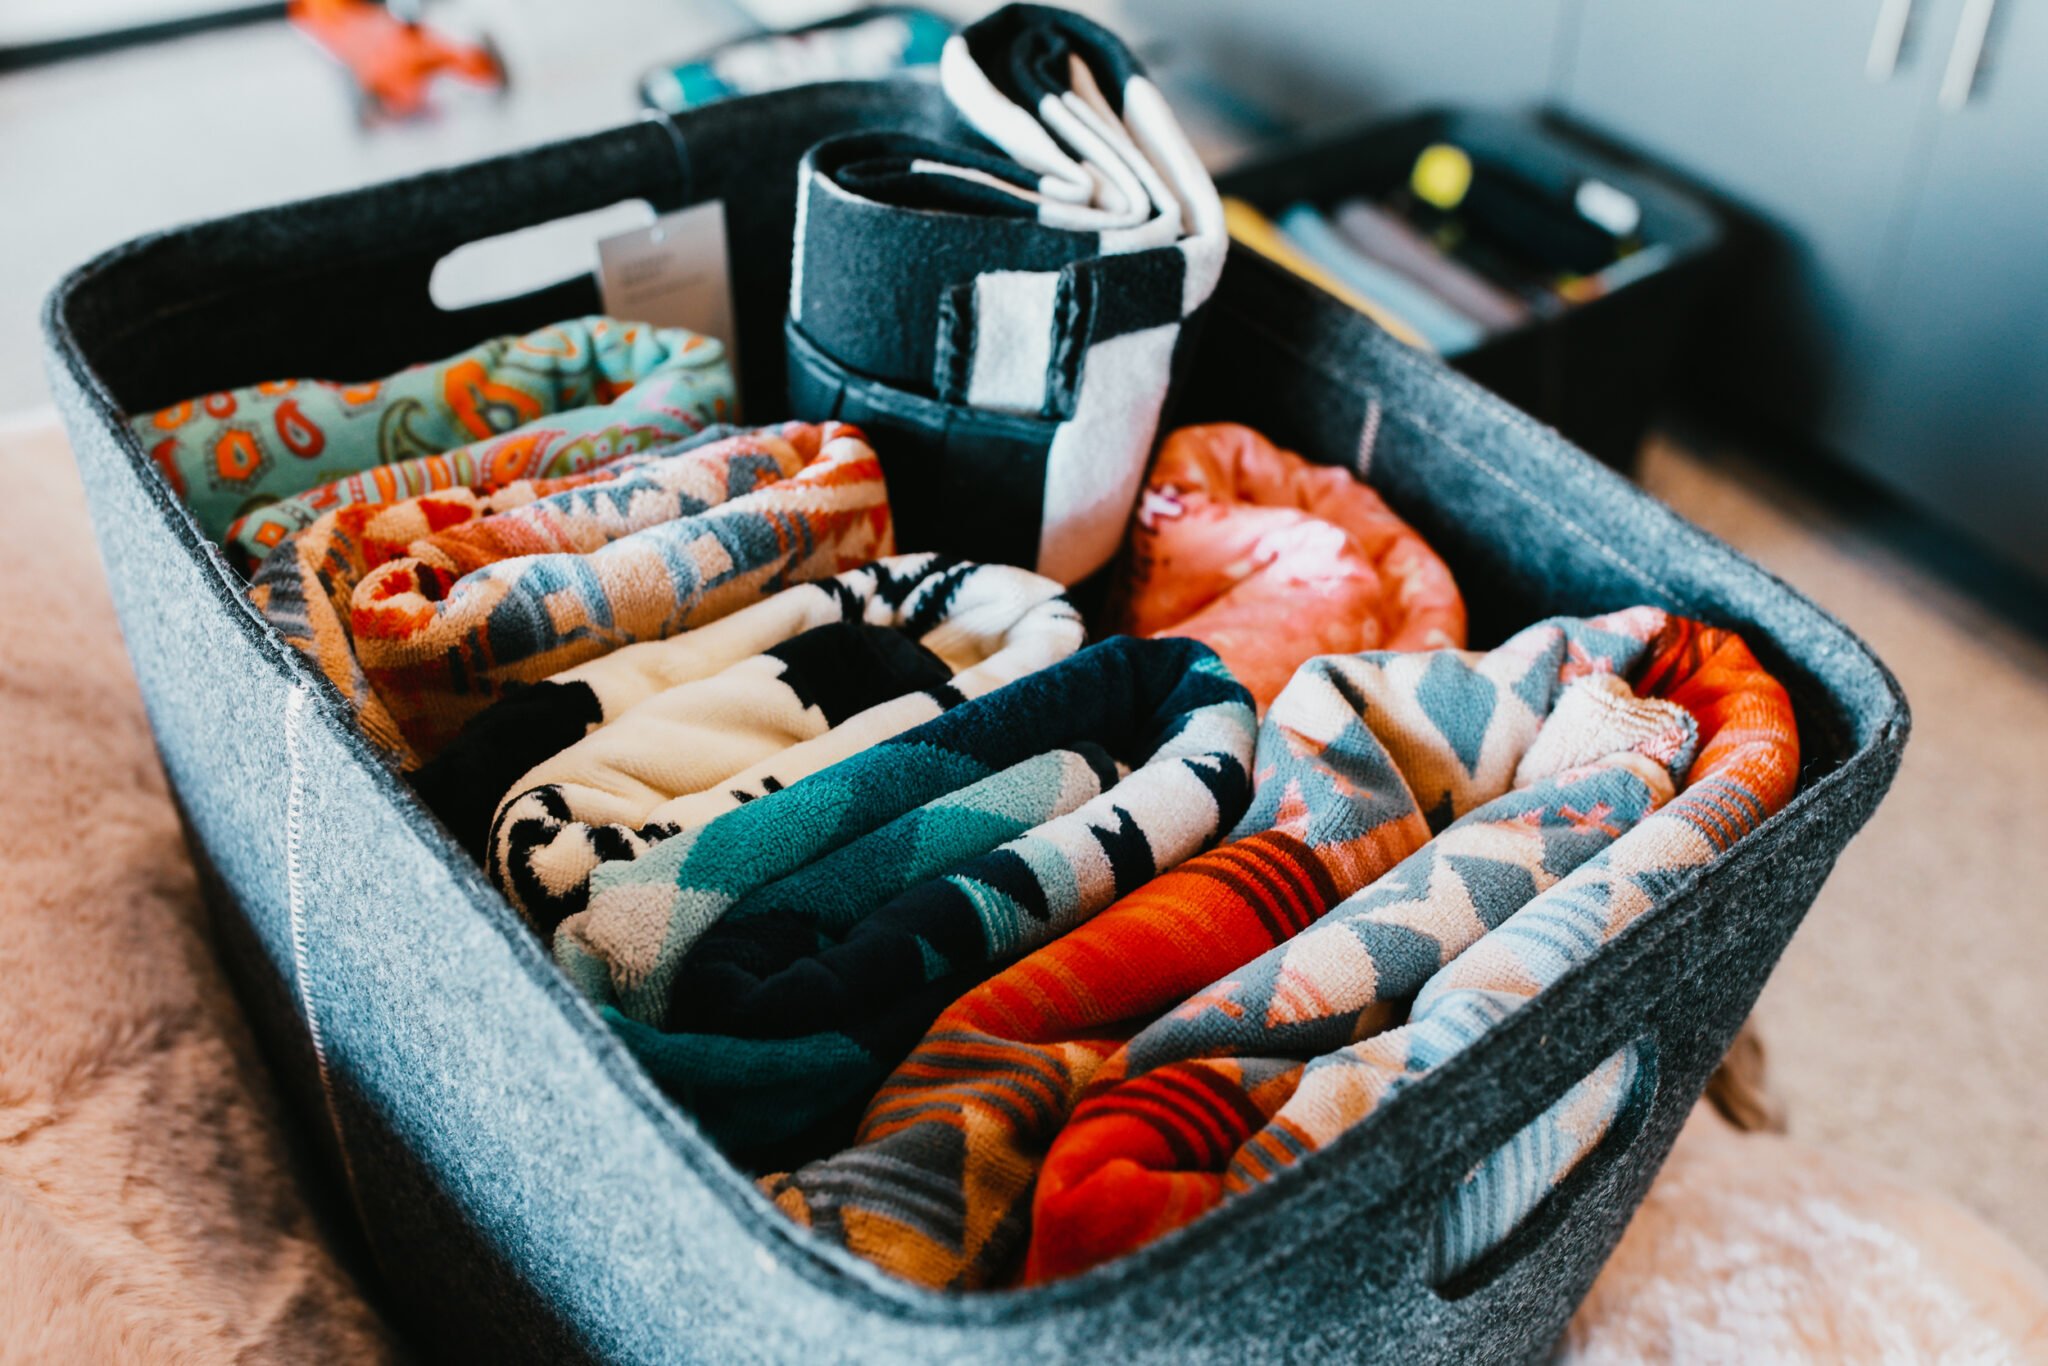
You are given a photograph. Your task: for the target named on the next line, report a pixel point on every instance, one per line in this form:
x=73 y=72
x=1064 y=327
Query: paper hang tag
x=673 y=273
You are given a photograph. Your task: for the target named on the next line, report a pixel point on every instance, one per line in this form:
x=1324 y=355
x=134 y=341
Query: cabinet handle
x=1887 y=39
x=1963 y=59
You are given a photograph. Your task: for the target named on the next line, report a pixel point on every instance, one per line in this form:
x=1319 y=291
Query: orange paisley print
x=472 y=395
x=300 y=436
x=175 y=416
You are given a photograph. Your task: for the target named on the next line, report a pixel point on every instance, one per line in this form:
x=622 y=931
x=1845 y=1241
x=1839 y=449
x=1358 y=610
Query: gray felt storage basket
x=523 y=1188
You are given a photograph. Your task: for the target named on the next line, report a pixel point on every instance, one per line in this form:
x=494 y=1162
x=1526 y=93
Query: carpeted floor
x=1904 y=1024
x=149 y=1211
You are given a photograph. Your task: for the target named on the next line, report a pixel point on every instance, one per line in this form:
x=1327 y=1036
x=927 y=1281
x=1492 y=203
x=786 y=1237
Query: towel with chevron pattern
x=521 y=595
x=1352 y=754
x=306 y=587
x=1277 y=1059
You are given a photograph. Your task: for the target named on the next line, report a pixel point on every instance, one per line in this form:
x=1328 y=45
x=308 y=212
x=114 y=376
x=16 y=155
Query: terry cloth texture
x=239 y=457
x=801 y=997
x=1270 y=560
x=938 y=1184
x=1007 y=322
x=1168 y=707
x=1278 y=1059
x=663 y=548
x=306 y=587
x=683 y=737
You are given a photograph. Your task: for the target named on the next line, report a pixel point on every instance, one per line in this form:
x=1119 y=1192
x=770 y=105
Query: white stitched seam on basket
x=295 y=907
x=1368 y=437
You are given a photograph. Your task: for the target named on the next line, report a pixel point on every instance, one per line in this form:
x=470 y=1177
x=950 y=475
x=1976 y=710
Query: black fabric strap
x=1003 y=318
x=961 y=481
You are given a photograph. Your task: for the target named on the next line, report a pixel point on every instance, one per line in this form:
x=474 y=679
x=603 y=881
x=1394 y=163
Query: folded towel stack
x=260 y=463
x=689 y=728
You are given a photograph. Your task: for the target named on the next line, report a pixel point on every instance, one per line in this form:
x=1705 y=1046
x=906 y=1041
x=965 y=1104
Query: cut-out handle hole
x=1512 y=1200
x=517 y=263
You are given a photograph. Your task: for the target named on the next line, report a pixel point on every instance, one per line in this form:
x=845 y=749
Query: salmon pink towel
x=1271 y=560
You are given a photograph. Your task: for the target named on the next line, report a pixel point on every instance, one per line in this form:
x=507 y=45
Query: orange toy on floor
x=394 y=63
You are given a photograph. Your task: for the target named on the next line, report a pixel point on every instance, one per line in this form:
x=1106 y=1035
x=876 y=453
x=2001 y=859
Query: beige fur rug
x=1757 y=1248
x=147 y=1213
x=146 y=1210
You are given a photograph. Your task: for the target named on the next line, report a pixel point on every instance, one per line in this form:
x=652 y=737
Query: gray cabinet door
x=1772 y=103
x=1956 y=417
x=1317 y=62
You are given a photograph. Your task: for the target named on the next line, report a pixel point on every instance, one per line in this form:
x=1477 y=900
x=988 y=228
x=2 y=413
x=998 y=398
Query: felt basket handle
x=1470 y=1240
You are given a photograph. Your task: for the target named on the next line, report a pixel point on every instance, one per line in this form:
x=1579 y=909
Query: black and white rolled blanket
x=1004 y=320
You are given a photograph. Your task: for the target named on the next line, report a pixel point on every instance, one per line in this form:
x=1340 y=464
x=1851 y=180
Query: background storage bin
x=1594 y=370
x=524 y=1190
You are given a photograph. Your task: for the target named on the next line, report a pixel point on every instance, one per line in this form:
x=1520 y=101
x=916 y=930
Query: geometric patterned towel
x=1152 y=704
x=1747 y=769
x=306 y=587
x=671 y=749
x=1270 y=561
x=241 y=458
x=1275 y=1061
x=937 y=1188
x=991 y=623
x=1005 y=316
x=667 y=546
x=795 y=1003
x=796 y=690
x=759 y=1095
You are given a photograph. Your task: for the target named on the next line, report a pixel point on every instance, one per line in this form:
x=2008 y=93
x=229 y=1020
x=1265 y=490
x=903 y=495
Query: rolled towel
x=806 y=991
x=1270 y=560
x=683 y=735
x=1006 y=323
x=244 y=460
x=306 y=587
x=1293 y=1049
x=1166 y=707
x=668 y=546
